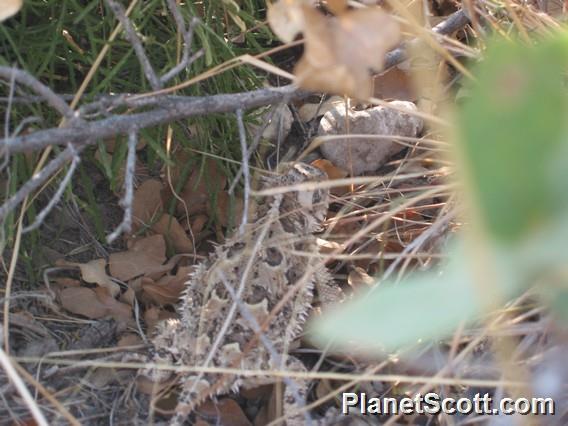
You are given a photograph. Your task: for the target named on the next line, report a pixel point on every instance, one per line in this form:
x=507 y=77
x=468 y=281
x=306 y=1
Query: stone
x=360 y=155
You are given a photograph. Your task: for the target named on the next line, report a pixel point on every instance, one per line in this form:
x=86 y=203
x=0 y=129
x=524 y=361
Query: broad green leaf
x=514 y=139
x=514 y=152
x=425 y=306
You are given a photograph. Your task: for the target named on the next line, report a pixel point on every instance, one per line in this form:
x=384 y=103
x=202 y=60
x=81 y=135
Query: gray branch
x=22 y=77
x=37 y=180
x=136 y=43
x=126 y=201
x=166 y=110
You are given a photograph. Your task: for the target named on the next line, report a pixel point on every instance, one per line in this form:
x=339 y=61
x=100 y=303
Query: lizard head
x=307 y=206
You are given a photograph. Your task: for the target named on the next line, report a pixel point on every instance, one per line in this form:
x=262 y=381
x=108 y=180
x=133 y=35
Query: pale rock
x=361 y=155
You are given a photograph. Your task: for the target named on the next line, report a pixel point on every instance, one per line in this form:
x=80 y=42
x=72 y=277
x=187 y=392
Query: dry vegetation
x=135 y=142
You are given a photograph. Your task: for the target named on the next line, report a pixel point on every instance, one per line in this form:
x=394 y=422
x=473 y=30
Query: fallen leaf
x=175 y=235
x=358 y=278
x=168 y=289
x=128 y=297
x=329 y=247
x=199 y=223
x=394 y=83
x=94 y=272
x=94 y=304
x=333 y=172
x=286 y=18
x=144 y=255
x=121 y=312
x=9 y=8
x=226 y=215
x=341 y=52
x=226 y=411
x=153 y=315
x=197 y=189
x=146 y=203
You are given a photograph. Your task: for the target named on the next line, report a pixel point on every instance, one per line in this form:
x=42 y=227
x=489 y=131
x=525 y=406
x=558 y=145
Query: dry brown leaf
x=146 y=203
x=226 y=412
x=394 y=83
x=225 y=215
x=94 y=272
x=286 y=18
x=121 y=312
x=341 y=52
x=9 y=8
x=168 y=289
x=82 y=301
x=153 y=315
x=197 y=190
x=94 y=304
x=144 y=255
x=199 y=223
x=333 y=172
x=329 y=247
x=157 y=272
x=174 y=234
x=358 y=278
x=128 y=297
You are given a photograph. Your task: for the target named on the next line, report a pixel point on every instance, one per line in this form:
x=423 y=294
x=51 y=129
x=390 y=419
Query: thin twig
x=246 y=170
x=452 y=23
x=6 y=155
x=126 y=202
x=47 y=395
x=257 y=137
x=136 y=43
x=58 y=194
x=22 y=389
x=172 y=108
x=245 y=312
x=36 y=181
x=187 y=35
x=42 y=90
x=167 y=109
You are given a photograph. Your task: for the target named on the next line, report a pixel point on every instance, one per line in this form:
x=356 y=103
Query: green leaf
x=514 y=153
x=513 y=136
x=425 y=306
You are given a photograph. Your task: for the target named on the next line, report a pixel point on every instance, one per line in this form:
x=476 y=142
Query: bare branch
x=257 y=137
x=58 y=194
x=136 y=43
x=453 y=23
x=126 y=201
x=37 y=180
x=167 y=109
x=42 y=90
x=187 y=35
x=246 y=172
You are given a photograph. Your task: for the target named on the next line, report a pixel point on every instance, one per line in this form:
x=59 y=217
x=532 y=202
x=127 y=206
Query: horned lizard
x=274 y=256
